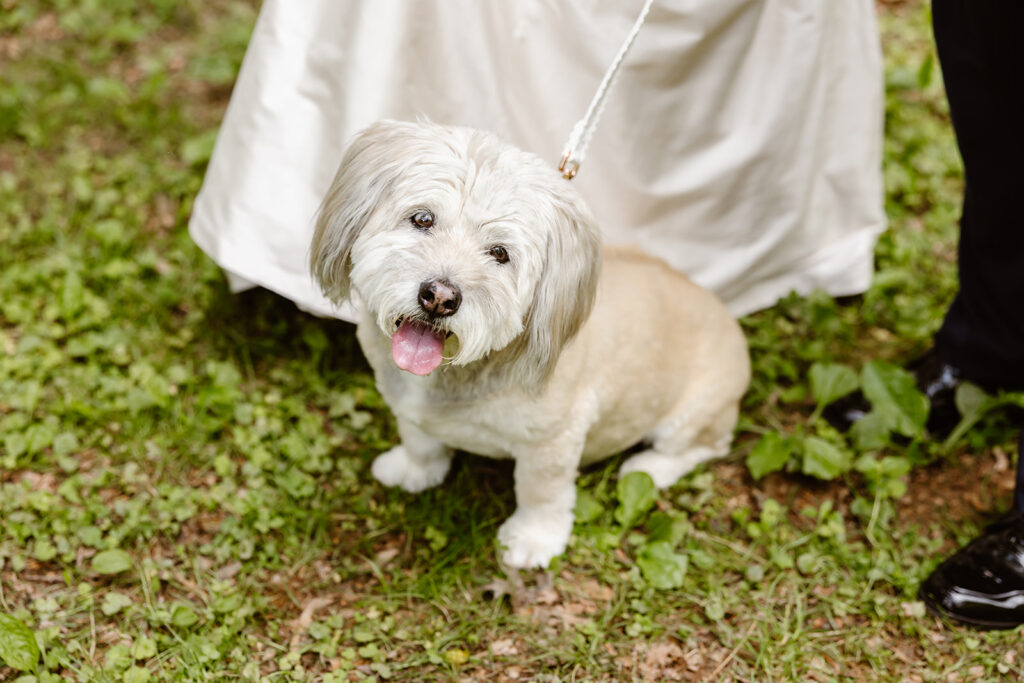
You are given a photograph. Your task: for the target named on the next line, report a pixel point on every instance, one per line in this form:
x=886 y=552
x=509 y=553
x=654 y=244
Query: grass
x=184 y=481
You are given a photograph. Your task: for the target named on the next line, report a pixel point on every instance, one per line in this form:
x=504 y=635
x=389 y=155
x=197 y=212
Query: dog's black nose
x=440 y=297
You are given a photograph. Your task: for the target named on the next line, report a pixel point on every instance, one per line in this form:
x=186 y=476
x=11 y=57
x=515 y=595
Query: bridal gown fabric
x=741 y=142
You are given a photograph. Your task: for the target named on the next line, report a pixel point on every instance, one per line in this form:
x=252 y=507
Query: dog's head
x=457 y=242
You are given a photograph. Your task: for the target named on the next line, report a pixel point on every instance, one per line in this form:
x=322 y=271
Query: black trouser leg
x=981 y=50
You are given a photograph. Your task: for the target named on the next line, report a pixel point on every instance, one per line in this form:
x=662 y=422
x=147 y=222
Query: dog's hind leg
x=419 y=462
x=694 y=433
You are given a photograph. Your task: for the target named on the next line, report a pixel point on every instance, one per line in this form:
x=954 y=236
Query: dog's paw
x=397 y=468
x=533 y=540
x=665 y=469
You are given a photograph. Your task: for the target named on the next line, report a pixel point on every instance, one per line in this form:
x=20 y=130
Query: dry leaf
x=505 y=647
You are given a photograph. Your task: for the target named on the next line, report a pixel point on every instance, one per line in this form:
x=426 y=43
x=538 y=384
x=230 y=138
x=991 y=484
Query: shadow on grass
x=257 y=327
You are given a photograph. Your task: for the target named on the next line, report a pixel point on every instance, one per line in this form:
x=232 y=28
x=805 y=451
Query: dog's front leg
x=539 y=529
x=418 y=463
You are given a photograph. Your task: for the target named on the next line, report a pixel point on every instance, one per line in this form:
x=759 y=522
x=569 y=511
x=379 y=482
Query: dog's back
x=664 y=351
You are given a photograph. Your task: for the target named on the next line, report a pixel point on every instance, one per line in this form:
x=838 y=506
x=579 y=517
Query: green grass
x=184 y=482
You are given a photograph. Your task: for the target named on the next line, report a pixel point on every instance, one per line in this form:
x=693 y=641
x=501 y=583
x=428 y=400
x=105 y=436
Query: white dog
x=493 y=328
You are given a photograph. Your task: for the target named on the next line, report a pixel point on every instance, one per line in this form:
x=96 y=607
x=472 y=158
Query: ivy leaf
x=894 y=394
x=18 y=647
x=144 y=648
x=823 y=460
x=973 y=403
x=661 y=566
x=197 y=150
x=587 y=508
x=884 y=475
x=924 y=74
x=183 y=616
x=227 y=604
x=109 y=231
x=296 y=483
x=112 y=562
x=637 y=494
x=871 y=432
x=971 y=399
x=15 y=444
x=136 y=674
x=782 y=559
x=832 y=381
x=114 y=602
x=64 y=443
x=72 y=295
x=772 y=514
x=769 y=454
x=670 y=528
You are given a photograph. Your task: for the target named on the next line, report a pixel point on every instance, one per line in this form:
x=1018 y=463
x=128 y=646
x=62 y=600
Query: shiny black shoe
x=982 y=584
x=935 y=377
x=938 y=380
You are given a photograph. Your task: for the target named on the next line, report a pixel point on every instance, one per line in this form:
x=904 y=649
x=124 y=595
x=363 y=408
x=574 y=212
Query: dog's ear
x=565 y=294
x=358 y=189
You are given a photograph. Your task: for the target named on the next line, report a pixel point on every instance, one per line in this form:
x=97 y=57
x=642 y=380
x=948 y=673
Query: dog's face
x=458 y=245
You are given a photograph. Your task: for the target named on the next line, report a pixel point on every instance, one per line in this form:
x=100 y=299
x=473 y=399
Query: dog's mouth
x=417 y=346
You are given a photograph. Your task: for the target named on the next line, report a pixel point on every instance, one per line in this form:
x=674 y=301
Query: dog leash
x=579 y=139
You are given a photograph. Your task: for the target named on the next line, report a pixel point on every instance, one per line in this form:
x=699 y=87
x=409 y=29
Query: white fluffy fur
x=536 y=375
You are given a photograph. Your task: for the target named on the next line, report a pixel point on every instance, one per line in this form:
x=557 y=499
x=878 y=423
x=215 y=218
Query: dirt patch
x=966 y=487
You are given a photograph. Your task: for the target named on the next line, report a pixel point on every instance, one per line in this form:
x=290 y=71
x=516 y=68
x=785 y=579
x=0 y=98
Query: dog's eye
x=499 y=253
x=422 y=219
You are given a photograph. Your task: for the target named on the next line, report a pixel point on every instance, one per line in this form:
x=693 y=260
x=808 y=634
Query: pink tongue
x=416 y=347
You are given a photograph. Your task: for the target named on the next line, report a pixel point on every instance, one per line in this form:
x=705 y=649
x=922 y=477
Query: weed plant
x=184 y=482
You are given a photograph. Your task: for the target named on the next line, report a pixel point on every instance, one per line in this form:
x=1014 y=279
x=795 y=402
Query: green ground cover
x=184 y=482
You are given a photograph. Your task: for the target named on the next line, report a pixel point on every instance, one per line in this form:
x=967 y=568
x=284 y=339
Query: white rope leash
x=576 y=148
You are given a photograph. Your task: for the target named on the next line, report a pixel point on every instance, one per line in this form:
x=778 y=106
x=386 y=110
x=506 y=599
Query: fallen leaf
x=386 y=555
x=505 y=647
x=305 y=618
x=229 y=571
x=660 y=662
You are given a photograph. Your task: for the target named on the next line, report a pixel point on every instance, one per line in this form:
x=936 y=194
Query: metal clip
x=569 y=173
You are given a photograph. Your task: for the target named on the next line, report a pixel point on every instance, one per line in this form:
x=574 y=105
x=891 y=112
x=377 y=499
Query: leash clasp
x=570 y=172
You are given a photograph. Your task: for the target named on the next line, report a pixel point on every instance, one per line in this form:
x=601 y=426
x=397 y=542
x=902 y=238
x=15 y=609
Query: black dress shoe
x=982 y=584
x=938 y=380
x=935 y=377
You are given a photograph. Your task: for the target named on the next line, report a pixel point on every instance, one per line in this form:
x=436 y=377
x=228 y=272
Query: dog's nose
x=440 y=297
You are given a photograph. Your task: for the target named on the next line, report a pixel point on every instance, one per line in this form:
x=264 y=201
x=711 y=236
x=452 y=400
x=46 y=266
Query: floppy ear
x=565 y=294
x=359 y=187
